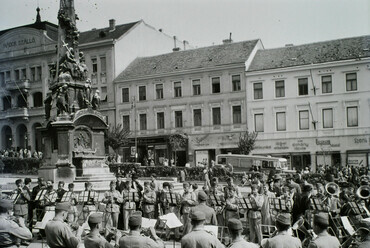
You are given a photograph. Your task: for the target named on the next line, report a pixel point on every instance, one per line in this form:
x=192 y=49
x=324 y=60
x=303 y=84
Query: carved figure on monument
x=82 y=140
x=48 y=102
x=62 y=100
x=95 y=102
x=82 y=68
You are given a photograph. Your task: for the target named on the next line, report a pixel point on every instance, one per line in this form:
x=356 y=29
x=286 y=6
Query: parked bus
x=244 y=163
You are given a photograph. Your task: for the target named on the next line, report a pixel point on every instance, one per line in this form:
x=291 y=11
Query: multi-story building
x=27 y=52
x=199 y=92
x=310 y=103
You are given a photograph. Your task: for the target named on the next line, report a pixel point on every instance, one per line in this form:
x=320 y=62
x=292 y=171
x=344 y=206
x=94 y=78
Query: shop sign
x=20 y=42
x=356 y=159
x=361 y=140
x=300 y=145
x=281 y=145
x=327 y=142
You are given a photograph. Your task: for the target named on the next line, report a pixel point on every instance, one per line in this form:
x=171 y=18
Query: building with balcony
x=199 y=92
x=311 y=103
x=28 y=52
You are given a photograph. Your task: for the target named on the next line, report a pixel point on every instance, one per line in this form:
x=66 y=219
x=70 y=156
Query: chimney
x=228 y=41
x=175 y=49
x=112 y=25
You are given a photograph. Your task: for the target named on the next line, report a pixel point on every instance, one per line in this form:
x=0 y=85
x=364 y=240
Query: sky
x=208 y=22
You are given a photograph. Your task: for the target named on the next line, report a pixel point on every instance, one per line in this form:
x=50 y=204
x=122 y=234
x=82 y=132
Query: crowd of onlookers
x=20 y=153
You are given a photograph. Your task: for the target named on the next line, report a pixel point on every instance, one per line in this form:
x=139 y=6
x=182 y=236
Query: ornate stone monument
x=72 y=135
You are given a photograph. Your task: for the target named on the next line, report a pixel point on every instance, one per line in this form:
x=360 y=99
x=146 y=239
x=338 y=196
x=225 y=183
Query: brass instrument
x=332 y=189
x=308 y=234
x=353 y=237
x=363 y=192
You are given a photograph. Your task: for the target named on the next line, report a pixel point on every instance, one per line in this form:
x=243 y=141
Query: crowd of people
x=20 y=153
x=302 y=208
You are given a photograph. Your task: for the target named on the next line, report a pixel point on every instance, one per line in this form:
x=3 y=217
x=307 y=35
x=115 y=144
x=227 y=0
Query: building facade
x=199 y=93
x=28 y=52
x=311 y=103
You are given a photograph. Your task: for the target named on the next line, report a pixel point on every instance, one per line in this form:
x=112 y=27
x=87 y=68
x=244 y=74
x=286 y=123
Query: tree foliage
x=177 y=141
x=246 y=142
x=117 y=137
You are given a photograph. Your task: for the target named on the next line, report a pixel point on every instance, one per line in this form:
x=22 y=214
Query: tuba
x=332 y=189
x=363 y=192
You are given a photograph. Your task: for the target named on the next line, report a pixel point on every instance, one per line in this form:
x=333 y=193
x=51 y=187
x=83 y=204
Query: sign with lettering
x=20 y=39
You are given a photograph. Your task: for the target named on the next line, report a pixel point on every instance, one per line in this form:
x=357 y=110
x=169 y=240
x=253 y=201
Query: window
x=33 y=73
x=7 y=102
x=279 y=88
x=142 y=93
x=17 y=75
x=37 y=99
x=103 y=65
x=197 y=117
x=352 y=117
x=177 y=89
x=24 y=73
x=142 y=118
x=2 y=78
x=304 y=120
x=104 y=95
x=39 y=72
x=303 y=86
x=216 y=116
x=351 y=81
x=159 y=91
x=258 y=123
x=280 y=121
x=126 y=122
x=257 y=88
x=196 y=87
x=160 y=120
x=125 y=95
x=327 y=118
x=237 y=114
x=326 y=84
x=216 y=85
x=178 y=118
x=94 y=65
x=235 y=79
x=7 y=76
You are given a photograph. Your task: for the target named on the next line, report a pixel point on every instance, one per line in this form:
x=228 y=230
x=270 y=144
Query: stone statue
x=62 y=100
x=95 y=102
x=48 y=102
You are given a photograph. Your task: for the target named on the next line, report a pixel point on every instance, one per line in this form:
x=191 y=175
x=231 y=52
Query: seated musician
x=323 y=239
x=149 y=200
x=12 y=230
x=112 y=198
x=254 y=215
x=60 y=191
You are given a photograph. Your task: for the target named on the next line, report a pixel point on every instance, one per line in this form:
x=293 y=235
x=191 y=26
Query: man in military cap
x=324 y=239
x=94 y=239
x=237 y=241
x=291 y=183
x=134 y=239
x=21 y=200
x=208 y=211
x=283 y=238
x=58 y=233
x=199 y=237
x=11 y=232
x=302 y=202
x=364 y=232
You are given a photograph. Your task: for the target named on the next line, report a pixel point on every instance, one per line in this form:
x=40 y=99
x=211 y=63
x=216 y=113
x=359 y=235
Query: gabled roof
x=105 y=33
x=206 y=57
x=313 y=53
x=50 y=28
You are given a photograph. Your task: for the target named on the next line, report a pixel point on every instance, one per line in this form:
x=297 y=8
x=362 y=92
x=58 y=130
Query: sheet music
x=49 y=215
x=347 y=225
x=171 y=220
x=146 y=223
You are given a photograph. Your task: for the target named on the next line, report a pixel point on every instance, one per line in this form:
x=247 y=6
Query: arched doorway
x=36 y=137
x=22 y=136
x=7 y=137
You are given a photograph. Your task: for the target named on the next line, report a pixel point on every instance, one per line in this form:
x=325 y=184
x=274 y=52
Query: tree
x=117 y=137
x=247 y=141
x=177 y=141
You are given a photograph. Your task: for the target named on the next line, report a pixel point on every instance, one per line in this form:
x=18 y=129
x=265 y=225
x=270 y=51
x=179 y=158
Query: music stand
x=215 y=200
x=67 y=196
x=280 y=205
x=40 y=195
x=316 y=204
x=53 y=197
x=357 y=209
x=171 y=198
x=246 y=203
x=133 y=197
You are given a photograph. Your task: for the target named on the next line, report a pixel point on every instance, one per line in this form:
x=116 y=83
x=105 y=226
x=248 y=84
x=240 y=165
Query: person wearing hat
x=36 y=204
x=188 y=200
x=149 y=200
x=291 y=183
x=136 y=187
x=277 y=185
x=11 y=231
x=202 y=207
x=302 y=202
x=134 y=238
x=283 y=238
x=230 y=183
x=21 y=199
x=199 y=237
x=364 y=232
x=113 y=199
x=94 y=239
x=237 y=241
x=58 y=233
x=323 y=239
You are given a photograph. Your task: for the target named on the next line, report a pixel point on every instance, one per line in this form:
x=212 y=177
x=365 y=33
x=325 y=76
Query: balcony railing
x=17 y=85
x=13 y=113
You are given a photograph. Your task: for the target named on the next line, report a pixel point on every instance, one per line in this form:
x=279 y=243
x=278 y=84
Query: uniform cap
x=198 y=215
x=321 y=218
x=6 y=204
x=135 y=219
x=307 y=188
x=63 y=206
x=95 y=218
x=202 y=196
x=278 y=177
x=235 y=224
x=283 y=219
